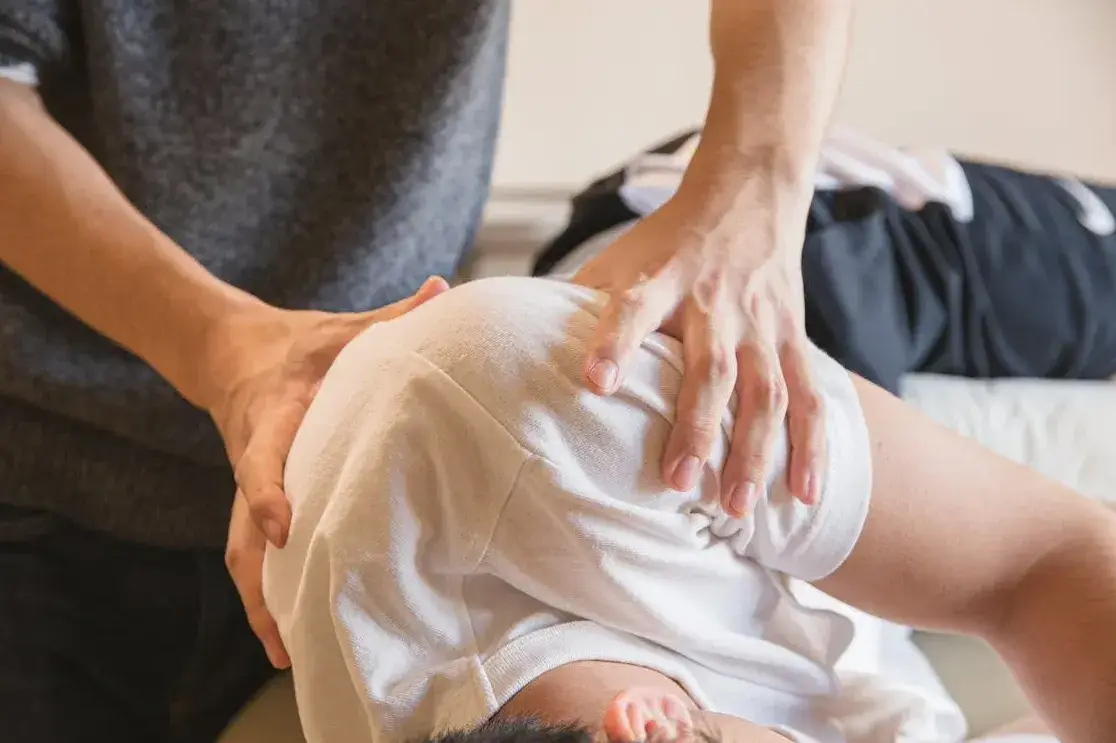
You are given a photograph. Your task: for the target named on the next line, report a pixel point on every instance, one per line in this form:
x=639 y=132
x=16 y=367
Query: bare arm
x=958 y=539
x=778 y=66
x=67 y=230
x=719 y=265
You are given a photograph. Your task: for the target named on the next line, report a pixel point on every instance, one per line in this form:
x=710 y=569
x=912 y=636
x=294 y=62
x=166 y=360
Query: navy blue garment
x=1024 y=289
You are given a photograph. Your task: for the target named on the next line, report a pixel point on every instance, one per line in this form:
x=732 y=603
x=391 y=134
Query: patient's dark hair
x=530 y=730
x=516 y=730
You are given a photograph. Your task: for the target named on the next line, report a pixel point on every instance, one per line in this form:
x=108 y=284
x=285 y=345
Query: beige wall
x=1031 y=81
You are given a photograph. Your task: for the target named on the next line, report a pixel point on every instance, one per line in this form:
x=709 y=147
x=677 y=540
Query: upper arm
x=952 y=528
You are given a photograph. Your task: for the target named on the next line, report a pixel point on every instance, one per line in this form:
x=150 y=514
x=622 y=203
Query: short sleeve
x=811 y=542
x=396 y=478
x=35 y=37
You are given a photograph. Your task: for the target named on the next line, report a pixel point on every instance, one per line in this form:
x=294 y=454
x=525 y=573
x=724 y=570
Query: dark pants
x=106 y=640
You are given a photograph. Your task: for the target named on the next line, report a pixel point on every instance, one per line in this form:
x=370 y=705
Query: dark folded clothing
x=1026 y=287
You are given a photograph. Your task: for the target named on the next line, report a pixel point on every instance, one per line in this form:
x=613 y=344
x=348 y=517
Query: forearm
x=69 y=232
x=777 y=70
x=1059 y=633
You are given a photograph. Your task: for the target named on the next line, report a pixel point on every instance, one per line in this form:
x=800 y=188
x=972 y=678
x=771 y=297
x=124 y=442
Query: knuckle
x=244 y=472
x=809 y=405
x=233 y=557
x=717 y=365
x=608 y=344
x=631 y=301
x=258 y=510
x=699 y=433
x=752 y=463
x=708 y=288
x=769 y=395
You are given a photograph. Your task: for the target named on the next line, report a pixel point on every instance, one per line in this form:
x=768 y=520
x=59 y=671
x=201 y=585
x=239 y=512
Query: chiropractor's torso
x=327 y=155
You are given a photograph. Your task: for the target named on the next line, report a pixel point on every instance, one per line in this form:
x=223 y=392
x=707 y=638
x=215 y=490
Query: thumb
x=430 y=288
x=627 y=319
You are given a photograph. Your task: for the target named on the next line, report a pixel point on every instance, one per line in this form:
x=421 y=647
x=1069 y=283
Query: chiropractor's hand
x=732 y=293
x=270 y=366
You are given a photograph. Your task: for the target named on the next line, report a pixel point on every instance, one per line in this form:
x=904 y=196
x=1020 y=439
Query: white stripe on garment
x=1093 y=213
x=23 y=73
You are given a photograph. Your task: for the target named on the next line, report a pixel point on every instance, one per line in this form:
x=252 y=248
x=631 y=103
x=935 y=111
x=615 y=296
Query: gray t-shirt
x=323 y=154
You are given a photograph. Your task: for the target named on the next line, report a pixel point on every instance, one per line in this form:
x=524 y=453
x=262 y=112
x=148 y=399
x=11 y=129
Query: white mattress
x=1064 y=429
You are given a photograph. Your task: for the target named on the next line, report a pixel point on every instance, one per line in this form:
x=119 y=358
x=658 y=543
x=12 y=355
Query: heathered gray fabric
x=327 y=154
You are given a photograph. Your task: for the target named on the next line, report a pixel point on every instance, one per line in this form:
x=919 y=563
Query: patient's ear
x=645 y=713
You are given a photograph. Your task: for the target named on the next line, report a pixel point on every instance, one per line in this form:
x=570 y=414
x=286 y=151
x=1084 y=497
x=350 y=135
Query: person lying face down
x=477 y=540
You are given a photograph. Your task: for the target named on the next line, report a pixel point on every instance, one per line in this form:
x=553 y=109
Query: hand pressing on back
x=269 y=365
x=731 y=292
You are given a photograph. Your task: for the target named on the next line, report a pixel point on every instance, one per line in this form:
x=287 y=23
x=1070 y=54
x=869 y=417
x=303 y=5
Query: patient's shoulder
x=501 y=323
x=506 y=305
x=515 y=345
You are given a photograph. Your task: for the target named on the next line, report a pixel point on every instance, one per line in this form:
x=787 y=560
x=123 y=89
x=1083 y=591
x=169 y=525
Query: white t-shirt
x=467 y=516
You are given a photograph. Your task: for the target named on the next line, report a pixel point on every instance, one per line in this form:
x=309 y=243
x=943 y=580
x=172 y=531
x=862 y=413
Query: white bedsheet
x=1064 y=429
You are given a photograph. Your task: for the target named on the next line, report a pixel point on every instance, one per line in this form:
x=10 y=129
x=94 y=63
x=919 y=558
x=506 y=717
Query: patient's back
x=468 y=515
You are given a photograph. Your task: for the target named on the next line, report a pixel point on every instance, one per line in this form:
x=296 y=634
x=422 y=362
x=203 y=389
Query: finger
x=430 y=288
x=244 y=559
x=761 y=408
x=259 y=471
x=805 y=424
x=675 y=710
x=627 y=319
x=707 y=384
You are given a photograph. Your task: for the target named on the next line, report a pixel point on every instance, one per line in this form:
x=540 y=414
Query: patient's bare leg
x=959 y=539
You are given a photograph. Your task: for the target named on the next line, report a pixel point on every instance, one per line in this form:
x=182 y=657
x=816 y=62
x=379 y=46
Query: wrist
x=753 y=200
x=230 y=330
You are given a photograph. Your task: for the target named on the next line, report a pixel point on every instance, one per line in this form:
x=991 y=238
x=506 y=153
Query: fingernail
x=604 y=374
x=742 y=500
x=808 y=489
x=813 y=489
x=278 y=659
x=273 y=532
x=686 y=472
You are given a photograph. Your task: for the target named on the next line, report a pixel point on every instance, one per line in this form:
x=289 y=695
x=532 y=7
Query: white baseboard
x=517 y=223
